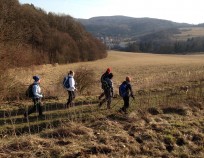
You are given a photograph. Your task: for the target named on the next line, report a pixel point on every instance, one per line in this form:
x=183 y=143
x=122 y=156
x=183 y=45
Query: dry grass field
x=165 y=120
x=146 y=70
x=190 y=33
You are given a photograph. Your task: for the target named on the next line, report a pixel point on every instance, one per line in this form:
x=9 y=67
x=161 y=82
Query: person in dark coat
x=108 y=91
x=126 y=95
x=104 y=76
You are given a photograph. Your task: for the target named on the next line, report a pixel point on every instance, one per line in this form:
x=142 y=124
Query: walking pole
x=116 y=103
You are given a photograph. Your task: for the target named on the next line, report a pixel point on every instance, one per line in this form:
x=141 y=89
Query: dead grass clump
x=180 y=142
x=60 y=133
x=103 y=137
x=70 y=130
x=169 y=143
x=95 y=151
x=175 y=110
x=26 y=146
x=99 y=149
x=63 y=142
x=184 y=156
x=117 y=117
x=158 y=127
x=133 y=150
x=153 y=111
x=19 y=145
x=198 y=139
x=194 y=103
x=108 y=125
x=121 y=138
x=103 y=149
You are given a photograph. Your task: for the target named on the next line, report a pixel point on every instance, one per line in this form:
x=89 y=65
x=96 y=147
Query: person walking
x=126 y=92
x=69 y=84
x=104 y=76
x=108 y=91
x=36 y=97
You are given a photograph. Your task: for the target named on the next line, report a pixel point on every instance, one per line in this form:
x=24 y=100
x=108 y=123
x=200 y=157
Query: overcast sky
x=188 y=11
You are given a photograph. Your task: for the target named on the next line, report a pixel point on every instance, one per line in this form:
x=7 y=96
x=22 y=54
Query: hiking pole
x=116 y=103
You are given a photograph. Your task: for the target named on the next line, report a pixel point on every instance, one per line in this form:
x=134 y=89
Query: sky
x=182 y=11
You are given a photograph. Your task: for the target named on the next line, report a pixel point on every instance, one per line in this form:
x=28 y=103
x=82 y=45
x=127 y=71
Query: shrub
x=85 y=79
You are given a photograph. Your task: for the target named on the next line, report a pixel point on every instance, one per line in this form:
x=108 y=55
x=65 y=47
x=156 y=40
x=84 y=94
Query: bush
x=86 y=80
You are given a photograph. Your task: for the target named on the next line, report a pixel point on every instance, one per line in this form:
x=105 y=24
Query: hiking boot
x=125 y=112
x=120 y=111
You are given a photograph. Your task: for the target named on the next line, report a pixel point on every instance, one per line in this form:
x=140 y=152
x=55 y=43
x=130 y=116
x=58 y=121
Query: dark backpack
x=123 y=90
x=106 y=84
x=29 y=91
x=66 y=82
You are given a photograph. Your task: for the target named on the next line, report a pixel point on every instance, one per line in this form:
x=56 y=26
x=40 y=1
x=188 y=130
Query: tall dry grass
x=146 y=70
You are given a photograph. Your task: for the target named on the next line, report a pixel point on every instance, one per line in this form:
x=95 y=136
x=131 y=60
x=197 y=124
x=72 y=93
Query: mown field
x=187 y=33
x=165 y=120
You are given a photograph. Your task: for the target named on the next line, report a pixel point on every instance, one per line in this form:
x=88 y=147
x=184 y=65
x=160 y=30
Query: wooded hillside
x=28 y=35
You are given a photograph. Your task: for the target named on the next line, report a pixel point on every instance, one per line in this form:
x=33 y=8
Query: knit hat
x=36 y=78
x=108 y=70
x=128 y=79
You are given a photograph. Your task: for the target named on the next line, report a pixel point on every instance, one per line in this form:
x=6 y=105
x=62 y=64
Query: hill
x=146 y=34
x=126 y=27
x=32 y=36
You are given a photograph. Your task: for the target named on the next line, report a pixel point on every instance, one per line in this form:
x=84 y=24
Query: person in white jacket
x=69 y=84
x=37 y=96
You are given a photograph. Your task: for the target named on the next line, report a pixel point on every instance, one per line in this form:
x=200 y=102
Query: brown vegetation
x=30 y=36
x=168 y=133
x=165 y=120
x=45 y=38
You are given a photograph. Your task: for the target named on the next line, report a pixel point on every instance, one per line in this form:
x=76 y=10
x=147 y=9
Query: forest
x=30 y=36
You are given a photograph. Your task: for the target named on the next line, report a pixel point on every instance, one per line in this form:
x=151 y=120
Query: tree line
x=37 y=37
x=191 y=45
x=30 y=36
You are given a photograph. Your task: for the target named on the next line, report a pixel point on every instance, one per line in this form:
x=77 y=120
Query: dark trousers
x=126 y=103
x=107 y=98
x=70 y=98
x=101 y=96
x=37 y=106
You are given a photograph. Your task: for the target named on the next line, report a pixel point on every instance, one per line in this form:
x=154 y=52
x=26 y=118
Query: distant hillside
x=126 y=26
x=28 y=35
x=146 y=34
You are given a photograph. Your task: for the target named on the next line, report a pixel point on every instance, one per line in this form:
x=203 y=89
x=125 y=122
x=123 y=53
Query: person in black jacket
x=104 y=76
x=108 y=91
x=126 y=94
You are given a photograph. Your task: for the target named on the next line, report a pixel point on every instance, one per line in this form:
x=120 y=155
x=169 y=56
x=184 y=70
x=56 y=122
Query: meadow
x=187 y=33
x=165 y=120
x=146 y=70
